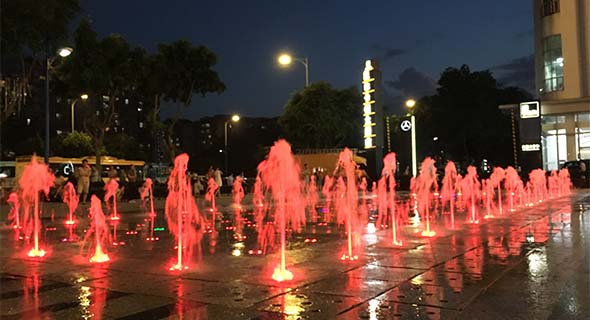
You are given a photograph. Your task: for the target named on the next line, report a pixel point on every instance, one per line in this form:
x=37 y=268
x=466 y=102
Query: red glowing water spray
x=70 y=198
x=388 y=177
x=111 y=189
x=470 y=186
x=14 y=214
x=148 y=191
x=280 y=175
x=36 y=178
x=100 y=229
x=449 y=188
x=347 y=208
x=425 y=183
x=181 y=212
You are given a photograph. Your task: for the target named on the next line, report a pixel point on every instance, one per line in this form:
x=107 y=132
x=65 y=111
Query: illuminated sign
x=406 y=125
x=531 y=147
x=368 y=105
x=530 y=110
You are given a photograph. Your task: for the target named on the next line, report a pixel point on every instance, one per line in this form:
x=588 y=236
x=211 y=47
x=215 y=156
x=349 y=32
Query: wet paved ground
x=532 y=265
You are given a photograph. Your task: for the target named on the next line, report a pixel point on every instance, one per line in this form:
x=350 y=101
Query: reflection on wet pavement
x=533 y=264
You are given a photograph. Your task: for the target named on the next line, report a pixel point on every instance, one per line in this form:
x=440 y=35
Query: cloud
x=413 y=83
x=386 y=53
x=518 y=72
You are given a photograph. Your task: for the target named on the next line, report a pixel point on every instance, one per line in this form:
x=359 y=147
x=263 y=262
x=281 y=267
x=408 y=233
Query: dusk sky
x=414 y=41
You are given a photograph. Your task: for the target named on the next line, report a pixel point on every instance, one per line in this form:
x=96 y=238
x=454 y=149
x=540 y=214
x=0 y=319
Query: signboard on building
x=530 y=110
x=369 y=91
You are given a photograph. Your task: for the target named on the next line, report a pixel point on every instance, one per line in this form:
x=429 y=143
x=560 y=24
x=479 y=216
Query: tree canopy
x=464 y=115
x=320 y=116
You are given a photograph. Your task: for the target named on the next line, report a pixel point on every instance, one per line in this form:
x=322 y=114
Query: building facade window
x=550 y=7
x=553 y=63
x=583 y=135
x=554 y=148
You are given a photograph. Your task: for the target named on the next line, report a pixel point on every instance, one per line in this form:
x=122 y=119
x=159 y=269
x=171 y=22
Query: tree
x=322 y=117
x=105 y=69
x=74 y=145
x=123 y=146
x=178 y=71
x=30 y=29
x=464 y=115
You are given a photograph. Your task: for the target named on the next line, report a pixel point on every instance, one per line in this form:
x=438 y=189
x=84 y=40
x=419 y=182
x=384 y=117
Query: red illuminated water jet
x=449 y=189
x=470 y=188
x=14 y=214
x=347 y=212
x=148 y=191
x=35 y=178
x=280 y=175
x=111 y=189
x=387 y=200
x=100 y=229
x=512 y=184
x=327 y=192
x=312 y=198
x=238 y=195
x=496 y=179
x=425 y=184
x=70 y=198
x=181 y=213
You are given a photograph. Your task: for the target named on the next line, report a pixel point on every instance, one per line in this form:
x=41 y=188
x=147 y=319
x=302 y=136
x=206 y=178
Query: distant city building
x=562 y=78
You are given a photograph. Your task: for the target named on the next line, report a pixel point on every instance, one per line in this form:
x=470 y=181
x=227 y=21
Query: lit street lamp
x=62 y=52
x=286 y=59
x=234 y=118
x=84 y=97
x=411 y=103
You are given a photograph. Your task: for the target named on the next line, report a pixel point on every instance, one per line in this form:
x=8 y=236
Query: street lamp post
x=84 y=97
x=62 y=52
x=410 y=103
x=234 y=118
x=286 y=59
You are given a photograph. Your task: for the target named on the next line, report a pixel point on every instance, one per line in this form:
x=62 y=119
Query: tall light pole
x=411 y=103
x=62 y=52
x=234 y=118
x=286 y=59
x=84 y=97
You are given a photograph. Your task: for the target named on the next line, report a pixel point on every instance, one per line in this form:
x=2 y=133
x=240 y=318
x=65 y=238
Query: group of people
x=85 y=175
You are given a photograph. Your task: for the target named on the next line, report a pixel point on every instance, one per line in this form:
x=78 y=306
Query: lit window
x=141 y=124
x=57 y=115
x=139 y=109
x=553 y=63
x=126 y=101
x=28 y=121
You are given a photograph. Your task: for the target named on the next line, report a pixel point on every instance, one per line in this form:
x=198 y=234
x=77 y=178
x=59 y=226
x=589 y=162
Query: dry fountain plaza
x=528 y=263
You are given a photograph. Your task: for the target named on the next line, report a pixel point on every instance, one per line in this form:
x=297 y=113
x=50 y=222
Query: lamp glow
x=65 y=51
x=285 y=59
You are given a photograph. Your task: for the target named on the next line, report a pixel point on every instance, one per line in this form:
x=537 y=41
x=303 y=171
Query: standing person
x=132 y=174
x=83 y=180
x=217 y=177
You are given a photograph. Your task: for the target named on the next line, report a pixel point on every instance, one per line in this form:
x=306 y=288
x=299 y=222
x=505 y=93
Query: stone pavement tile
x=452 y=279
x=232 y=293
x=382 y=309
x=348 y=285
x=134 y=283
x=304 y=304
x=403 y=261
x=376 y=272
x=134 y=306
x=449 y=296
x=29 y=267
x=40 y=303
